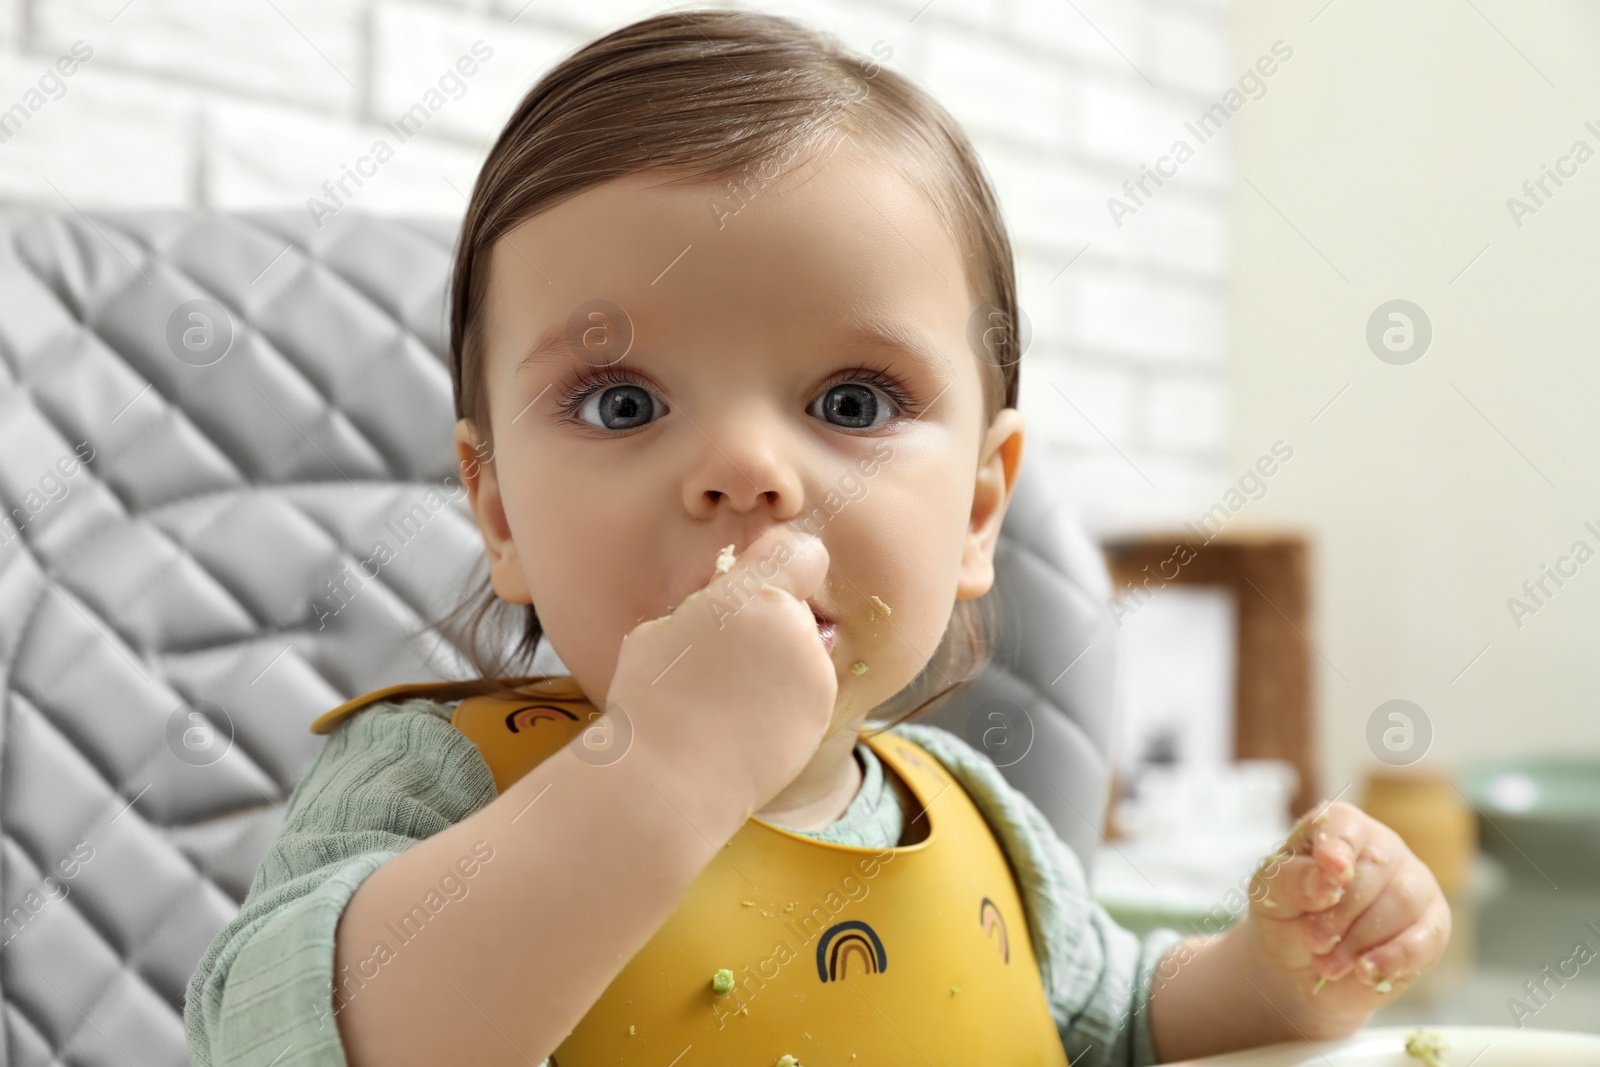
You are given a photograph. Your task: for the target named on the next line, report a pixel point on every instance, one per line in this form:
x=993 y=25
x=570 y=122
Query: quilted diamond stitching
x=82 y=278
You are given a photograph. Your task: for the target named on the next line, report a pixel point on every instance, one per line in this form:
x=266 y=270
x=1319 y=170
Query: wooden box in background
x=1268 y=573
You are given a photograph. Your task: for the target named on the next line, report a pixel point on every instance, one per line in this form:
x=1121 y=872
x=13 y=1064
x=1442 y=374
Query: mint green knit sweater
x=398 y=772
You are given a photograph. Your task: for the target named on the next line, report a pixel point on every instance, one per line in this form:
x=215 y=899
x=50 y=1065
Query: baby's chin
x=859 y=696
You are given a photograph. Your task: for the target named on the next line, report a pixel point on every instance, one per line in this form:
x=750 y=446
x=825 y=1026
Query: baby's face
x=729 y=411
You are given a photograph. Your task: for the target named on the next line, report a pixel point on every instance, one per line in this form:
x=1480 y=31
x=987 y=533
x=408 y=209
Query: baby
x=732 y=340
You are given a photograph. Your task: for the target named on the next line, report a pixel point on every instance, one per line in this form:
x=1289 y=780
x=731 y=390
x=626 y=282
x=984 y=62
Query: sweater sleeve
x=388 y=777
x=1097 y=974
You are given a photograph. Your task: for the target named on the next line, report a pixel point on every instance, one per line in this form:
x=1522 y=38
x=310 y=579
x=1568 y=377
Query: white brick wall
x=307 y=52
x=246 y=105
x=246 y=165
x=414 y=43
x=113 y=138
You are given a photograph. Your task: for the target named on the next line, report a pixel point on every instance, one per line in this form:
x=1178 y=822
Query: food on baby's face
x=1427 y=1046
x=660 y=620
x=872 y=613
x=722 y=982
x=859 y=668
x=725 y=560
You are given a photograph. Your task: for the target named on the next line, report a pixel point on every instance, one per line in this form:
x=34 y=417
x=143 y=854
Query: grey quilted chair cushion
x=167 y=622
x=1043 y=709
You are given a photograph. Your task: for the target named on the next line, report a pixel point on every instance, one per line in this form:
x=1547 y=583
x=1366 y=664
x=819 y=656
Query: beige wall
x=1391 y=143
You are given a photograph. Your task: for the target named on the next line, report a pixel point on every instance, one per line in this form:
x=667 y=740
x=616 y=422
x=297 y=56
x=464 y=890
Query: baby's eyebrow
x=550 y=344
x=854 y=333
x=887 y=333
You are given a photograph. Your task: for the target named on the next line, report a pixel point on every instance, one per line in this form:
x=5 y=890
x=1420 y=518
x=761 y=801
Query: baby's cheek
x=895 y=559
x=892 y=640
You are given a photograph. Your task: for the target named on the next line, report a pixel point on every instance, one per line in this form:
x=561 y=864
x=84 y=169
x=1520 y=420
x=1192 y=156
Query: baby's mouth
x=826 y=629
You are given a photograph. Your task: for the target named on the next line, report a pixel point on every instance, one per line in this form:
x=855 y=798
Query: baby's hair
x=717 y=96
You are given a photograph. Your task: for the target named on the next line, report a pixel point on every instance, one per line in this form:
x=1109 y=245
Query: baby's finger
x=787 y=557
x=1324 y=929
x=1335 y=851
x=1334 y=832
x=1318 y=858
x=1408 y=893
x=1374 y=866
x=1406 y=955
x=1293 y=887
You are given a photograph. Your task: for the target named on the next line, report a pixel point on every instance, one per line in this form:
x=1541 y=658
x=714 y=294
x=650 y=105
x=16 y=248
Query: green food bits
x=1427 y=1046
x=858 y=668
x=722 y=982
x=787 y=1060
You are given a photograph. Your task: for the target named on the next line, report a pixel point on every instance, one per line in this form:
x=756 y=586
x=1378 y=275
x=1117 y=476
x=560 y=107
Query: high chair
x=206 y=422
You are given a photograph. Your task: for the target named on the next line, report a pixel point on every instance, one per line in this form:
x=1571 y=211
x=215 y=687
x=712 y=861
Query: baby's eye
x=618 y=407
x=854 y=405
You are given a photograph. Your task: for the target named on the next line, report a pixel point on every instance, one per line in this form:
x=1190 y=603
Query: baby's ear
x=478 y=475
x=998 y=463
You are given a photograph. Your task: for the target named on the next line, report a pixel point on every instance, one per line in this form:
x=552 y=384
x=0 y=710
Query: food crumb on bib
x=748 y=903
x=787 y=1060
x=954 y=990
x=630 y=1029
x=725 y=560
x=722 y=981
x=858 y=668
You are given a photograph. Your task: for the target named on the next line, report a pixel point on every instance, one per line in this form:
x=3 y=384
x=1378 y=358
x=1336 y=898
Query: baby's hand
x=734 y=688
x=1345 y=916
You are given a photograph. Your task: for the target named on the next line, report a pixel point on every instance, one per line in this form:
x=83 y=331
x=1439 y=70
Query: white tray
x=1477 y=1046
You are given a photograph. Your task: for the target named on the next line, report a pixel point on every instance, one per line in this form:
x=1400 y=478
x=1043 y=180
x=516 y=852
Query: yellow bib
x=839 y=954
